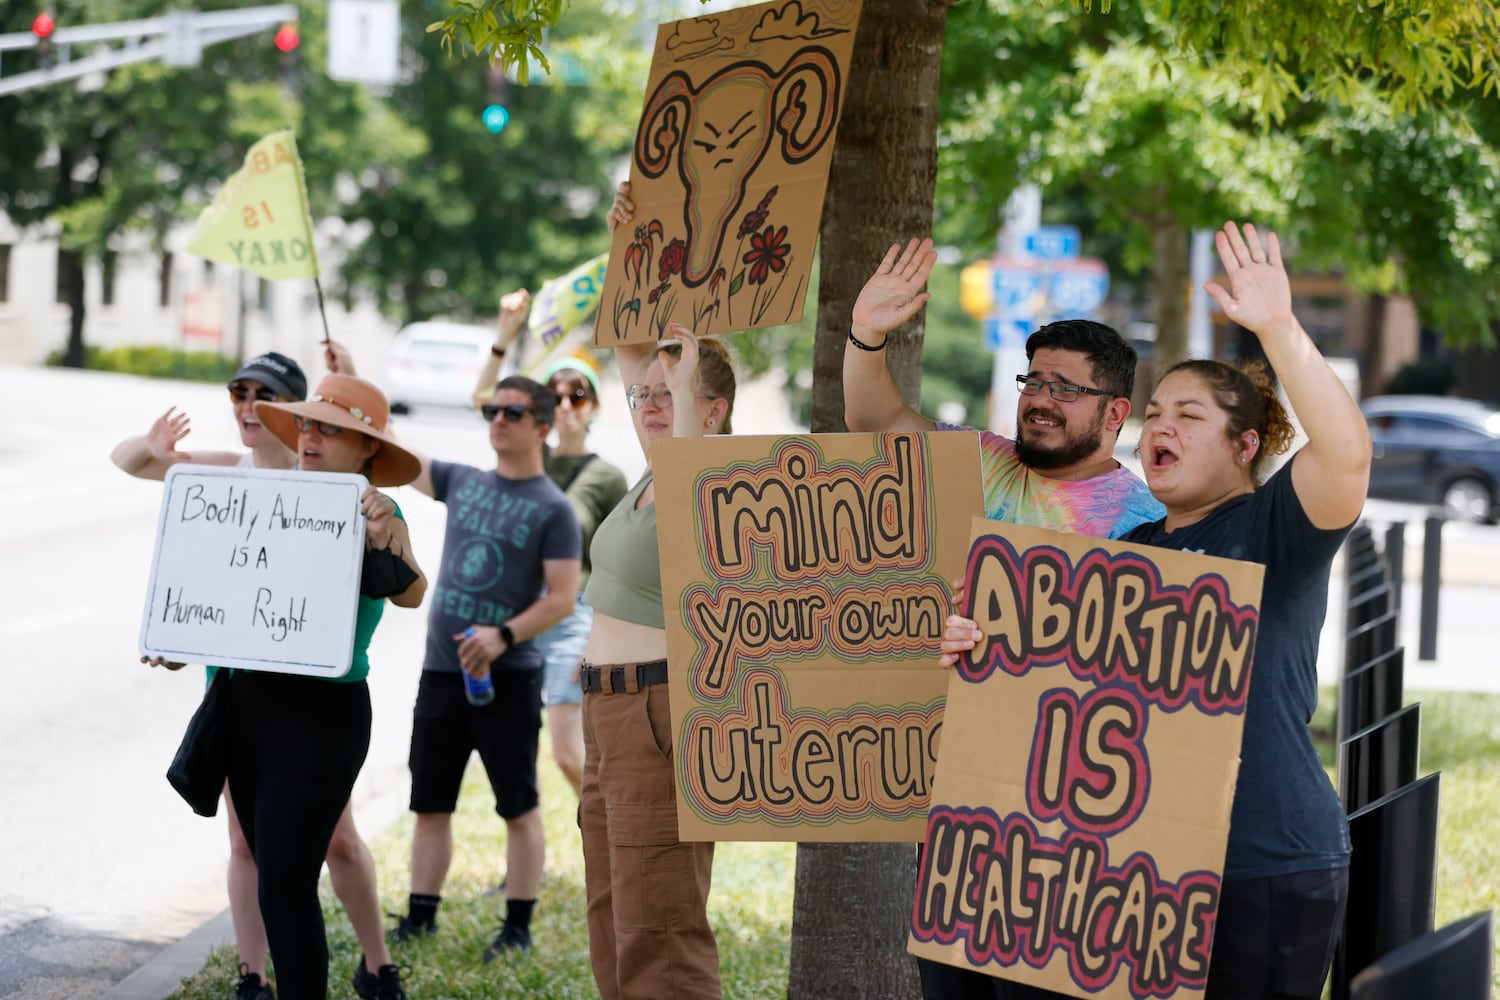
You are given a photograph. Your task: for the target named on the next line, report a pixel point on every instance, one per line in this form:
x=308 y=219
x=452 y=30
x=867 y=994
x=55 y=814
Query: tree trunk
x=852 y=904
x=70 y=276
x=1170 y=268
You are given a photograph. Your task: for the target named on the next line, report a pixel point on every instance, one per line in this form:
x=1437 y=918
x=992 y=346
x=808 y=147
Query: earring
x=710 y=421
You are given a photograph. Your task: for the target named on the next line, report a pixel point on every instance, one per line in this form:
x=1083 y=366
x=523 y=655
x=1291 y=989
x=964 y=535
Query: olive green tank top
x=626 y=581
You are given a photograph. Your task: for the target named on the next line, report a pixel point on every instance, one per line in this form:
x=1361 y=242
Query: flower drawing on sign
x=638 y=254
x=768 y=253
x=673 y=256
x=763 y=252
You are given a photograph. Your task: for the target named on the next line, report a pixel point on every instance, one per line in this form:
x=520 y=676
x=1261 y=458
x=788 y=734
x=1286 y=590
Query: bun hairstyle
x=1250 y=403
x=715 y=374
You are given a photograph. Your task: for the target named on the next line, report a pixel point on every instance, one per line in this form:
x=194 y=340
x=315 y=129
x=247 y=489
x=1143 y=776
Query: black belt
x=616 y=680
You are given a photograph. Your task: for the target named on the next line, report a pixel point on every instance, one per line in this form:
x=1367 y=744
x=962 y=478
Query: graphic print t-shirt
x=499 y=533
x=1105 y=506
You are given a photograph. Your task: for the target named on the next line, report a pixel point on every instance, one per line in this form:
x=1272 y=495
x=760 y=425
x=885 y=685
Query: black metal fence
x=1388 y=947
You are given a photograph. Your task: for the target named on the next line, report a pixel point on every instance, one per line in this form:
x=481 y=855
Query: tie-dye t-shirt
x=1105 y=506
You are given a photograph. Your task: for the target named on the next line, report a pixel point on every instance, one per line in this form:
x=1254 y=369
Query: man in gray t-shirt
x=511 y=557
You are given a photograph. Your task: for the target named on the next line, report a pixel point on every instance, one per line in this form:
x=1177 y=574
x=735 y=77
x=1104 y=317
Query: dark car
x=1436 y=450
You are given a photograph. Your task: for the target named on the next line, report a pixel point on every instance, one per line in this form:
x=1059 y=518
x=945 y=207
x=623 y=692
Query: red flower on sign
x=768 y=252
x=673 y=257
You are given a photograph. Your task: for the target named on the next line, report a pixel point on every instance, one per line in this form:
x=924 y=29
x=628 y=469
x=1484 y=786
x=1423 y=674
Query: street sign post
x=364 y=41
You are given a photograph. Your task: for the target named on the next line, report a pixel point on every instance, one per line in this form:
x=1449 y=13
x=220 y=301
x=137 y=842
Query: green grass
x=751 y=902
x=751 y=909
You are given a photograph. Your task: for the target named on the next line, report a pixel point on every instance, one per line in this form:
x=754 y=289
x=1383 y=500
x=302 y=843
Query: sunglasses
x=327 y=430
x=512 y=412
x=577 y=396
x=240 y=393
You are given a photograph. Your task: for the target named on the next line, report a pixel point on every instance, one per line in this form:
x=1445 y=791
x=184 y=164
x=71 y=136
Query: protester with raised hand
x=1210 y=429
x=649 y=934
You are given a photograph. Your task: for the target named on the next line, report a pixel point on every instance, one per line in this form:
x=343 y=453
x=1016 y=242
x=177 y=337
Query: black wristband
x=508 y=637
x=498 y=352
x=867 y=347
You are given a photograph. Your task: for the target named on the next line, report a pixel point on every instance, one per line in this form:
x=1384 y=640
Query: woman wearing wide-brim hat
x=297 y=743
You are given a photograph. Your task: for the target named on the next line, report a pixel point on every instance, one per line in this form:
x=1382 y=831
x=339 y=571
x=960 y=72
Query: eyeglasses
x=659 y=394
x=577 y=396
x=513 y=412
x=327 y=430
x=239 y=393
x=1063 y=392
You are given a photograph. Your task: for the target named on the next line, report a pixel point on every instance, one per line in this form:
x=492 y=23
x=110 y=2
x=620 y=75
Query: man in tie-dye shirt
x=1059 y=472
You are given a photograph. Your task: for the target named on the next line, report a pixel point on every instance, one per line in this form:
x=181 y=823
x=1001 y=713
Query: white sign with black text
x=257 y=569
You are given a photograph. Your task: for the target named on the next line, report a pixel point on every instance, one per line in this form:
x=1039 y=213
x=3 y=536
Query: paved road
x=101 y=865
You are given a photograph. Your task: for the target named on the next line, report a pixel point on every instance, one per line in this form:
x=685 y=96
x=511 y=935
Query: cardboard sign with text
x=257 y=569
x=728 y=172
x=806 y=582
x=1090 y=751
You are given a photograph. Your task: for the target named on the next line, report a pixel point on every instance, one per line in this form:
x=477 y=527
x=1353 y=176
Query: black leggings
x=297 y=746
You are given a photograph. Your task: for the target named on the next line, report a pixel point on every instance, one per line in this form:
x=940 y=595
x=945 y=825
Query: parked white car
x=435 y=363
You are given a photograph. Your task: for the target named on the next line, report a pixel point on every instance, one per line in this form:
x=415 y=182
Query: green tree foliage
x=1416 y=54
x=147 y=149
x=1402 y=201
x=453 y=220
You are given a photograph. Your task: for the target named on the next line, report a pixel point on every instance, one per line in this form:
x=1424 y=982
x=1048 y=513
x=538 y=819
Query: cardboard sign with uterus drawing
x=728 y=171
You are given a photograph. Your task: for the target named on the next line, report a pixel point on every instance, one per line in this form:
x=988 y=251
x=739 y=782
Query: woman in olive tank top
x=649 y=934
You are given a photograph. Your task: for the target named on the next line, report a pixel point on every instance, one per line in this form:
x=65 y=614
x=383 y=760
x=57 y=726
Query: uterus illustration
x=718 y=133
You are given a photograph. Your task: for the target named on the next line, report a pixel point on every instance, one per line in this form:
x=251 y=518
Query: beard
x=1076 y=446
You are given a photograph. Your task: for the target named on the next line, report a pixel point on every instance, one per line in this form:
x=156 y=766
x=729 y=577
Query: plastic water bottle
x=479 y=690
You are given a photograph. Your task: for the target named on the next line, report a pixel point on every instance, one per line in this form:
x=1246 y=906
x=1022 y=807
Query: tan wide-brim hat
x=353 y=403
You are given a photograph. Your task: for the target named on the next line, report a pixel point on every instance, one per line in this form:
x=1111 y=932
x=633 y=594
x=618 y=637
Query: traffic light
x=42 y=27
x=287 y=38
x=495 y=118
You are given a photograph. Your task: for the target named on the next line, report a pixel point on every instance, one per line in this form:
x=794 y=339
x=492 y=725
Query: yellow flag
x=260 y=221
x=561 y=305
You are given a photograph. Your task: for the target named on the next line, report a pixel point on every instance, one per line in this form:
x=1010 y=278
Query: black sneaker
x=510 y=940
x=406 y=929
x=382 y=985
x=252 y=987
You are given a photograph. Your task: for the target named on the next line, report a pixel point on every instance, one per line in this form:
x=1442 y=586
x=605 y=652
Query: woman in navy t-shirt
x=1209 y=429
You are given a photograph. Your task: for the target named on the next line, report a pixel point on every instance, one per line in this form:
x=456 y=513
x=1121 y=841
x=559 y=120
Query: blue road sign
x=1017 y=287
x=1053 y=242
x=1078 y=288
x=1006 y=332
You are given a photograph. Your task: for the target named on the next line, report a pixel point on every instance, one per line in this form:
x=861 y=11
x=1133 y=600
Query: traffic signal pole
x=177 y=38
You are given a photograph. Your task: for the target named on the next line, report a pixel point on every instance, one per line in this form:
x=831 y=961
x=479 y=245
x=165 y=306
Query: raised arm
x=872 y=402
x=150 y=455
x=631 y=359
x=1332 y=471
x=513 y=310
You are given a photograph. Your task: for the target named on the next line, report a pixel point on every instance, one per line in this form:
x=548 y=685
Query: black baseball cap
x=276 y=372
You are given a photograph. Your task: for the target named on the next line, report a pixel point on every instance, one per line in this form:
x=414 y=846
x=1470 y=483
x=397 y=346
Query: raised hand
x=622 y=210
x=338 y=358
x=513 y=309
x=165 y=432
x=894 y=292
x=1260 y=294
x=678 y=372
